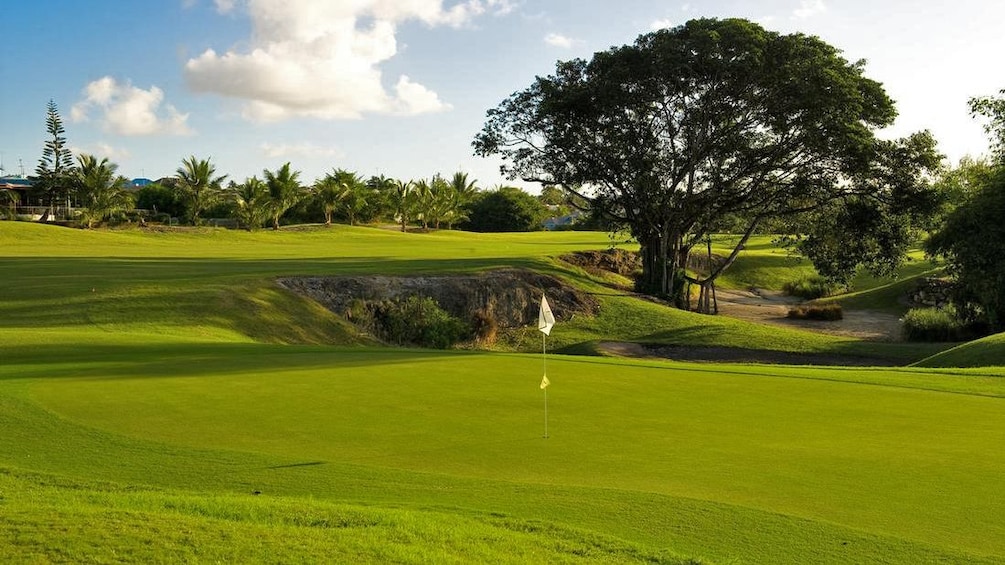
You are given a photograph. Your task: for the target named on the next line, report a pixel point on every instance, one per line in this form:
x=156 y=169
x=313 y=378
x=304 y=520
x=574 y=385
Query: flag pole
x=544 y=357
x=545 y=321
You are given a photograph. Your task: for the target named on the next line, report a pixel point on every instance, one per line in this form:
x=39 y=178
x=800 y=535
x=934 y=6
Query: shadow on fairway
x=81 y=360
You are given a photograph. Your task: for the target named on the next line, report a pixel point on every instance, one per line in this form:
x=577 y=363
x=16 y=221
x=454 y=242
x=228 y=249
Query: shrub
x=824 y=312
x=933 y=324
x=810 y=288
x=416 y=320
x=485 y=328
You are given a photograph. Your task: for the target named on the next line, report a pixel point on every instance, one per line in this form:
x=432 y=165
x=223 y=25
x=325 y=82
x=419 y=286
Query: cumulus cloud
x=808 y=9
x=665 y=23
x=102 y=149
x=127 y=110
x=560 y=41
x=322 y=59
x=304 y=149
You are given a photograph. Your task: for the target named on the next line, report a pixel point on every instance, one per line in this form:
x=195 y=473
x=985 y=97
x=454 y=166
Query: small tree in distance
x=198 y=186
x=284 y=191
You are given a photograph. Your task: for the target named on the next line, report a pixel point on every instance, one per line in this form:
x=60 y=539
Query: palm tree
x=355 y=193
x=284 y=191
x=102 y=193
x=328 y=193
x=401 y=199
x=199 y=188
x=423 y=201
x=251 y=203
x=465 y=190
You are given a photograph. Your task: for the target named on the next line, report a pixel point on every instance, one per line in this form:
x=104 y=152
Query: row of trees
x=97 y=193
x=279 y=196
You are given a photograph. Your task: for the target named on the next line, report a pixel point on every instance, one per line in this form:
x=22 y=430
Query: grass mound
x=984 y=352
x=100 y=522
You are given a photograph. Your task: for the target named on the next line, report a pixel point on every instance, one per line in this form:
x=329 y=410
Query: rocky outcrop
x=932 y=292
x=510 y=297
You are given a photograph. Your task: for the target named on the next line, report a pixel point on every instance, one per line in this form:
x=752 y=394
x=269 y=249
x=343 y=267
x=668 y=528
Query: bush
x=508 y=209
x=810 y=288
x=824 y=312
x=416 y=320
x=934 y=324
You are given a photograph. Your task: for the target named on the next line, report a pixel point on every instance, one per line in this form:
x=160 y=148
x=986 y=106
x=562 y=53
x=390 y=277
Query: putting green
x=870 y=450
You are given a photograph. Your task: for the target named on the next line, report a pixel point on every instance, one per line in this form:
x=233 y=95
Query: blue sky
x=400 y=87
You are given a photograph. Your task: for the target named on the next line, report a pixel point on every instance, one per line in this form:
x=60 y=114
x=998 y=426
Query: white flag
x=545 y=319
x=545 y=382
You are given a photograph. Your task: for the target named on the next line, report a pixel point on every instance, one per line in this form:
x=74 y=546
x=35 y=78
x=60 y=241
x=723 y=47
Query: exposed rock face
x=932 y=291
x=510 y=297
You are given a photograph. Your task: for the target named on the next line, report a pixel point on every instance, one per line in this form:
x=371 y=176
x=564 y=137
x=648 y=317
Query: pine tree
x=55 y=168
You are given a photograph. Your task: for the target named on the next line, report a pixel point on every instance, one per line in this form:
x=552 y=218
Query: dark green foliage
x=159 y=199
x=823 y=312
x=691 y=124
x=971 y=243
x=934 y=325
x=875 y=225
x=55 y=182
x=507 y=209
x=415 y=320
x=810 y=288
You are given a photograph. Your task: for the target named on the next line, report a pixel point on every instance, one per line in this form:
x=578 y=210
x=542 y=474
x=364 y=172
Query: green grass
x=985 y=352
x=159 y=526
x=151 y=382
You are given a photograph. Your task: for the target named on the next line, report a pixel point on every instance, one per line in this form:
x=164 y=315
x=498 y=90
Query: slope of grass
x=985 y=352
x=218 y=284
x=101 y=522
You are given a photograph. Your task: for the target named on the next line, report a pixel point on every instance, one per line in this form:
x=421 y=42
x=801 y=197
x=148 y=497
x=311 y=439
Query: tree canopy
x=710 y=119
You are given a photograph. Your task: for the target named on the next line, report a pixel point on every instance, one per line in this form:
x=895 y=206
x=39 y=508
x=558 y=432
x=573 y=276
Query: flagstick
x=544 y=358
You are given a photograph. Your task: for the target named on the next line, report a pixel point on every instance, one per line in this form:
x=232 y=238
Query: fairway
x=162 y=375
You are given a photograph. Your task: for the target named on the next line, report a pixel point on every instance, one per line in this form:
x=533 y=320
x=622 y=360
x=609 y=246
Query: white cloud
x=128 y=110
x=322 y=59
x=304 y=149
x=665 y=23
x=808 y=9
x=561 y=41
x=224 y=6
x=102 y=149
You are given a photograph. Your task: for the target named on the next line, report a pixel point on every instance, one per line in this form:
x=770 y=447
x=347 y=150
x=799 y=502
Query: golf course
x=163 y=398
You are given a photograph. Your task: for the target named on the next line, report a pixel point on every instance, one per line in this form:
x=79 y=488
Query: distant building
x=20 y=184
x=141 y=182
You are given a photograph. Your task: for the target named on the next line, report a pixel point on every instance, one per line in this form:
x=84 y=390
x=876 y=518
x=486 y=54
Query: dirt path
x=771 y=307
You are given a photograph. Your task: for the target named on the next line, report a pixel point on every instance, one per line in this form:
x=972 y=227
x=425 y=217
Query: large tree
x=687 y=126
x=971 y=241
x=55 y=173
x=198 y=186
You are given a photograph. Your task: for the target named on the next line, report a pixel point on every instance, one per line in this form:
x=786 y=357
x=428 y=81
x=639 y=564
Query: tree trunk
x=661 y=269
